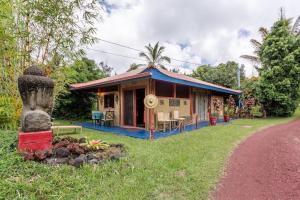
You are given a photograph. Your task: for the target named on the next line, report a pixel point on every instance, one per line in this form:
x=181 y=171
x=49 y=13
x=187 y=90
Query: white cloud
x=211 y=31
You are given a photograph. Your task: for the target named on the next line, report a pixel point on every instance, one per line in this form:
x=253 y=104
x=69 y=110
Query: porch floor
x=143 y=134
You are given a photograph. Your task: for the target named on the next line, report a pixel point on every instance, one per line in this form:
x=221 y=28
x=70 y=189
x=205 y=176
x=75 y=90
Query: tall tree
x=225 y=74
x=66 y=106
x=294 y=29
x=279 y=85
x=154 y=55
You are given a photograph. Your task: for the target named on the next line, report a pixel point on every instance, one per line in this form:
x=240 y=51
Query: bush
x=257 y=111
x=8 y=116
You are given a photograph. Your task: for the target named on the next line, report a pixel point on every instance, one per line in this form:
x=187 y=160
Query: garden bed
x=76 y=152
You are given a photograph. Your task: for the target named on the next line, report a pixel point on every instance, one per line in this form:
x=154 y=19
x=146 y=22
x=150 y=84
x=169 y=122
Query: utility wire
x=124 y=56
x=138 y=50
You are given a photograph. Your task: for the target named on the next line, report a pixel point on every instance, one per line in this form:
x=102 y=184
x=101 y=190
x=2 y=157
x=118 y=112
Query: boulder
x=62 y=152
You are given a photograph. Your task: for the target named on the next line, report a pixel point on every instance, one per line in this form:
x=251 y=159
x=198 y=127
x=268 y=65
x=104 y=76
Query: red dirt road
x=265 y=166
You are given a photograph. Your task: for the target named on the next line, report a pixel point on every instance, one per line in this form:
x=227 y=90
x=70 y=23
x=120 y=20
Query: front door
x=202 y=103
x=128 y=108
x=134 y=107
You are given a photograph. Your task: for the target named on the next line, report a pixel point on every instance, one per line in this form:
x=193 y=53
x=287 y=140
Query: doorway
x=133 y=111
x=140 y=107
x=201 y=105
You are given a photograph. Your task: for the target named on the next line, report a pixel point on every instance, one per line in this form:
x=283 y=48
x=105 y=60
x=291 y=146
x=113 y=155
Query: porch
x=143 y=133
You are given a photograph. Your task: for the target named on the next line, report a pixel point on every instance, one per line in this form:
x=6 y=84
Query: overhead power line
x=123 y=56
x=138 y=50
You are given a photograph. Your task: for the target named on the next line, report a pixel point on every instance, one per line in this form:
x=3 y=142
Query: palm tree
x=134 y=66
x=295 y=30
x=154 y=56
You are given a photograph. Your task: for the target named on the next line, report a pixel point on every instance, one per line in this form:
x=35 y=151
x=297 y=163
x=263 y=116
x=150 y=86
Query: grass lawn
x=184 y=166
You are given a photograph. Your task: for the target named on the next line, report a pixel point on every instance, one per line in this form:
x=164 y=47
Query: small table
x=66 y=127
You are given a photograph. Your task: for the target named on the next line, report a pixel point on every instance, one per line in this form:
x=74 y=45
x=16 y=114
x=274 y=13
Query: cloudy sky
x=197 y=31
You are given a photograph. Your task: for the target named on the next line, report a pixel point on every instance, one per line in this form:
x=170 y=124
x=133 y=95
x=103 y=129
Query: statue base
x=35 y=141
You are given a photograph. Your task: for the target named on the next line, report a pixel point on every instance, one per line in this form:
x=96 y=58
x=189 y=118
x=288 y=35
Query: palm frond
x=155 y=52
x=256 y=44
x=263 y=32
x=296 y=27
x=254 y=59
x=144 y=55
x=166 y=58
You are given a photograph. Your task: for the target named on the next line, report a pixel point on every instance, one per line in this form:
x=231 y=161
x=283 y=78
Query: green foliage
x=153 y=55
x=256 y=111
x=78 y=104
x=249 y=88
x=8 y=118
x=223 y=74
x=278 y=89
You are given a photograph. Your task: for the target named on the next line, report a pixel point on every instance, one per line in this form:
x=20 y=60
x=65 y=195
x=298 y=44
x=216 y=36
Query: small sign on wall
x=174 y=102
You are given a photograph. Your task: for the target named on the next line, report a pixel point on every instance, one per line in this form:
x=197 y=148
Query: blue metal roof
x=158 y=75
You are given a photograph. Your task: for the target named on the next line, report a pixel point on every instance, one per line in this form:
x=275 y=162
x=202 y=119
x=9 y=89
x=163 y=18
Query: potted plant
x=213 y=118
x=227 y=113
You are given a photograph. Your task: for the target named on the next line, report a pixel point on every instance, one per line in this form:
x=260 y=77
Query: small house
x=124 y=95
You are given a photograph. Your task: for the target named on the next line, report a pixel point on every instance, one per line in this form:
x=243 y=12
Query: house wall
x=163 y=106
x=116 y=108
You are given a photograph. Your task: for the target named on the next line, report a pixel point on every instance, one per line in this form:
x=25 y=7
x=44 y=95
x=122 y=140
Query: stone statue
x=37 y=95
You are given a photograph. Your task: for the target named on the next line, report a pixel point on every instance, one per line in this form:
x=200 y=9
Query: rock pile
x=76 y=152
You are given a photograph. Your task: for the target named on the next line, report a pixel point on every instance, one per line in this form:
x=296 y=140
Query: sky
x=196 y=31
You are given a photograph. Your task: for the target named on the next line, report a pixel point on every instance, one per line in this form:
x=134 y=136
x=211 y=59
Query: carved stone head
x=37 y=95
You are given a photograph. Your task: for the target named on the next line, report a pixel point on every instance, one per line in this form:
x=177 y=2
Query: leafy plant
x=214 y=114
x=278 y=88
x=257 y=111
x=97 y=144
x=8 y=118
x=228 y=111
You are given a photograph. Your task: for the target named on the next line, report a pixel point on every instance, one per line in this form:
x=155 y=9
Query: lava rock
x=83 y=157
x=62 y=143
x=77 y=162
x=62 y=152
x=93 y=161
x=82 y=140
x=57 y=161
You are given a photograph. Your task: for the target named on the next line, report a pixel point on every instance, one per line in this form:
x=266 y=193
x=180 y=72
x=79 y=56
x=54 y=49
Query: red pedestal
x=35 y=141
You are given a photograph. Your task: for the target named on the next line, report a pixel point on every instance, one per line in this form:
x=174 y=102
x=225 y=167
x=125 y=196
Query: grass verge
x=184 y=166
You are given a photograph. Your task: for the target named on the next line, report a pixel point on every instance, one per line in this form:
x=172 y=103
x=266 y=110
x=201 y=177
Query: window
x=163 y=89
x=109 y=101
x=182 y=91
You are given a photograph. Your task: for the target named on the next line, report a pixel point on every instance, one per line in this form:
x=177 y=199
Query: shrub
x=8 y=114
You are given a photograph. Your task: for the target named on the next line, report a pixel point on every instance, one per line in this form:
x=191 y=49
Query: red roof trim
x=100 y=83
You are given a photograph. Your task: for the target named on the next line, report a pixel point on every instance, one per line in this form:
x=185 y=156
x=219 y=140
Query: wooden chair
x=108 y=118
x=180 y=120
x=164 y=120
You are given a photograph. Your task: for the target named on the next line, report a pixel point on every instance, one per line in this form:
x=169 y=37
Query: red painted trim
x=120 y=104
x=103 y=81
x=191 y=101
x=174 y=90
x=134 y=108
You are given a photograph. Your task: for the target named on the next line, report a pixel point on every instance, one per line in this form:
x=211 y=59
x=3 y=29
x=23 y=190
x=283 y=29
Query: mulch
x=265 y=166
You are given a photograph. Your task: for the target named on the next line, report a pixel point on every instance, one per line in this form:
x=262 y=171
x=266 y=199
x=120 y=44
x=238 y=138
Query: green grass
x=185 y=166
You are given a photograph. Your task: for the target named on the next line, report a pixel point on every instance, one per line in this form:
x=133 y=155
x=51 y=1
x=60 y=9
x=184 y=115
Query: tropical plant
x=256 y=111
x=8 y=118
x=255 y=58
x=66 y=105
x=278 y=88
x=225 y=74
x=134 y=66
x=97 y=145
x=154 y=56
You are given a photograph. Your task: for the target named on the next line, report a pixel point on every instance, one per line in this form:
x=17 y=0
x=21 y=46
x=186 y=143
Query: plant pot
x=226 y=118
x=213 y=121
